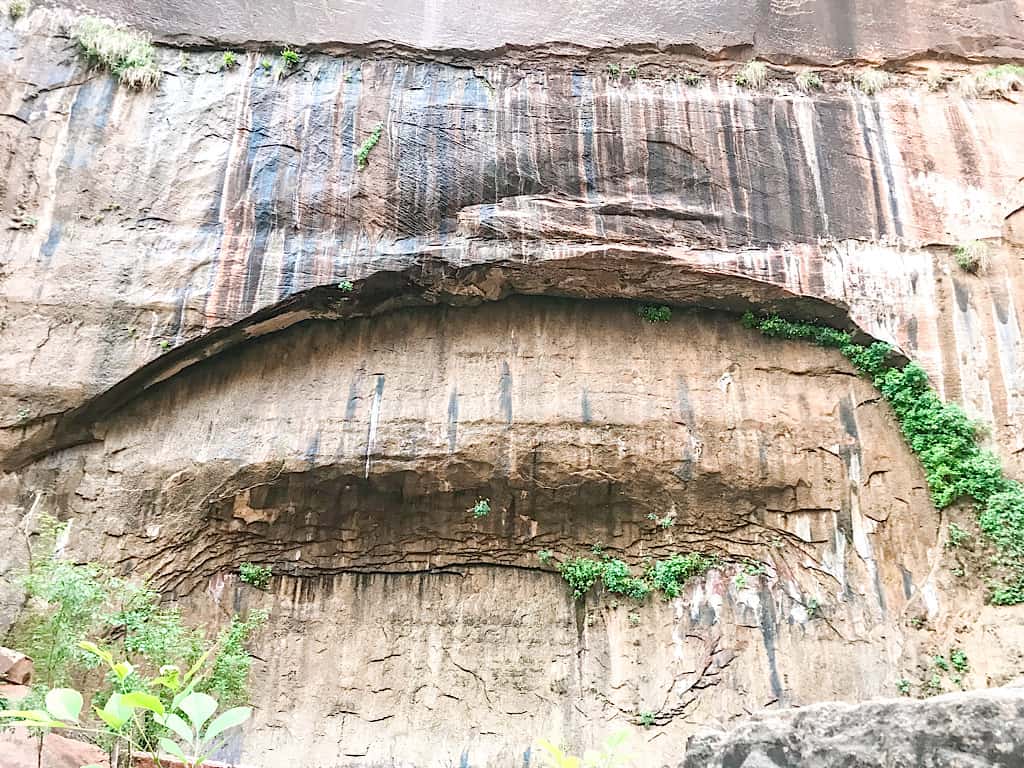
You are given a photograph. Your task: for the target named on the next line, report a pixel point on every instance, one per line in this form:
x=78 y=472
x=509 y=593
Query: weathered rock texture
x=980 y=729
x=186 y=382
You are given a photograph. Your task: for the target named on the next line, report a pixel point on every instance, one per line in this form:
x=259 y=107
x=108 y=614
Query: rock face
x=981 y=728
x=223 y=341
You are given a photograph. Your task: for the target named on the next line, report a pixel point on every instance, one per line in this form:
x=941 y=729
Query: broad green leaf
x=176 y=724
x=29 y=718
x=115 y=713
x=170 y=678
x=96 y=651
x=142 y=700
x=122 y=669
x=64 y=704
x=172 y=749
x=199 y=707
x=228 y=719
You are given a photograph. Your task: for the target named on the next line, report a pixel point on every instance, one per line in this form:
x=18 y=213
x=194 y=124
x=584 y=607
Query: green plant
x=634 y=619
x=957 y=536
x=940 y=662
x=363 y=153
x=668 y=576
x=934 y=684
x=958 y=659
x=654 y=314
x=617 y=579
x=809 y=81
x=614 y=70
x=871 y=81
x=971 y=257
x=692 y=78
x=662 y=522
x=164 y=345
x=228 y=60
x=228 y=677
x=945 y=441
x=255 y=575
x=646 y=719
x=903 y=686
x=633 y=72
x=812 y=606
x=546 y=556
x=290 y=57
x=1002 y=80
x=17 y=8
x=346 y=286
x=267 y=64
x=124 y=52
x=753 y=74
x=740 y=580
x=611 y=754
x=482 y=508
x=917 y=622
x=581 y=573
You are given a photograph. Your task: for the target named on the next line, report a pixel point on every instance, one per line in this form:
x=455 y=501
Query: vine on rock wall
x=944 y=439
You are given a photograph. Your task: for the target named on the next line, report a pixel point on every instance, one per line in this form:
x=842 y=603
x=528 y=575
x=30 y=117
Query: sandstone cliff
x=186 y=379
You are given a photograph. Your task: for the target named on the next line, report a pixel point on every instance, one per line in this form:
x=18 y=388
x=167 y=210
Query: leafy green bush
x=667 y=576
x=482 y=508
x=971 y=257
x=255 y=575
x=290 y=57
x=363 y=153
x=126 y=53
x=17 y=9
x=945 y=441
x=871 y=81
x=653 y=314
x=228 y=678
x=671 y=574
x=229 y=60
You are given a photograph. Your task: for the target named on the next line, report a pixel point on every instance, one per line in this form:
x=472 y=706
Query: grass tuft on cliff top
x=943 y=438
x=124 y=52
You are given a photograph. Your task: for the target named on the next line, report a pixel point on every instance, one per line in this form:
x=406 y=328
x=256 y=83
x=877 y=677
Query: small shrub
x=692 y=78
x=917 y=622
x=618 y=580
x=752 y=75
x=482 y=508
x=581 y=573
x=646 y=719
x=903 y=686
x=17 y=9
x=1003 y=81
x=614 y=70
x=255 y=575
x=808 y=81
x=363 y=153
x=812 y=606
x=227 y=680
x=267 y=64
x=936 y=80
x=669 y=575
x=662 y=522
x=634 y=619
x=940 y=662
x=346 y=286
x=126 y=53
x=934 y=685
x=958 y=659
x=633 y=72
x=228 y=60
x=546 y=556
x=290 y=57
x=654 y=314
x=871 y=81
x=971 y=257
x=957 y=536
